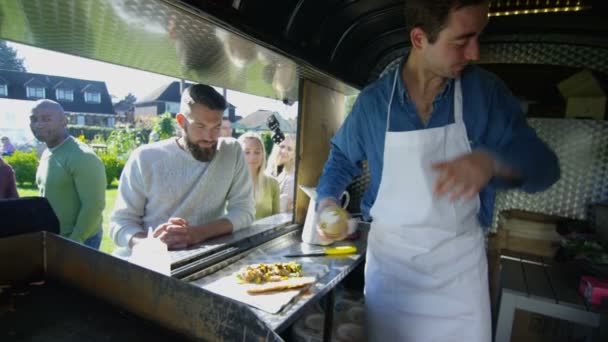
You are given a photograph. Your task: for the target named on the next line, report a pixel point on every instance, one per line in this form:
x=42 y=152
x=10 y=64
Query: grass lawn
x=107 y=245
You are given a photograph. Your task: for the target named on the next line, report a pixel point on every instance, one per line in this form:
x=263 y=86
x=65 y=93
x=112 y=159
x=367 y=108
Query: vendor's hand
x=465 y=175
x=326 y=203
x=176 y=233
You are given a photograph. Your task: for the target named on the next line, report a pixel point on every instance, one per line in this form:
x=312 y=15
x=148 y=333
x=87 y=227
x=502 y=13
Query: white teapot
x=309 y=233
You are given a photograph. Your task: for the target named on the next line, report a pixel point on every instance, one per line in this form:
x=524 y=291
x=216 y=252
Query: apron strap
x=457 y=102
x=390 y=101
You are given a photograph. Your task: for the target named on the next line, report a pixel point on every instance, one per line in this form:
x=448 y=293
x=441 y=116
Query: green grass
x=107 y=245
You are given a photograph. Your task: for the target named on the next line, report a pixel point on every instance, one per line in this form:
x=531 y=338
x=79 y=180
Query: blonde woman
x=282 y=165
x=265 y=188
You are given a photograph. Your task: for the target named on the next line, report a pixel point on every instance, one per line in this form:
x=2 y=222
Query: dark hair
x=432 y=15
x=202 y=94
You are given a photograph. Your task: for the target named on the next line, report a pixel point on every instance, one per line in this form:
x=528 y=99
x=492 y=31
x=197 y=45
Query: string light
x=540 y=10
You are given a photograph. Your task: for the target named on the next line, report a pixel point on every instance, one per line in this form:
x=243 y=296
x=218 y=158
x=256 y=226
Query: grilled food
x=263 y=273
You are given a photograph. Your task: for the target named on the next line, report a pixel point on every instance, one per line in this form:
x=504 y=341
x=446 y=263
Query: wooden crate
x=524 y=232
x=528 y=232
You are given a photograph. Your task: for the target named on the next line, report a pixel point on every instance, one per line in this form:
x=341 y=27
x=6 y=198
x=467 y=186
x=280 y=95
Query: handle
x=346 y=195
x=341 y=250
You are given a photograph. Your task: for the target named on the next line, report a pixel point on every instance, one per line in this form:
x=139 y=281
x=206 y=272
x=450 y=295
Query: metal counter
x=192 y=259
x=175 y=306
x=77 y=274
x=336 y=269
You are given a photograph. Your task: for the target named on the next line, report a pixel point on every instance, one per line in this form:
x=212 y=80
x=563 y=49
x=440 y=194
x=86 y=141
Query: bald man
x=70 y=175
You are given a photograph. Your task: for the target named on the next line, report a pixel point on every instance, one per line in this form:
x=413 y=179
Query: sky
x=122 y=81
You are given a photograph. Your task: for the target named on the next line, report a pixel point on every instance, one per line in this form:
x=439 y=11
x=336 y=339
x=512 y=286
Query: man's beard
x=199 y=153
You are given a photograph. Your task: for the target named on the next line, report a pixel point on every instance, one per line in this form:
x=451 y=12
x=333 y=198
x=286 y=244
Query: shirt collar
x=55 y=148
x=401 y=91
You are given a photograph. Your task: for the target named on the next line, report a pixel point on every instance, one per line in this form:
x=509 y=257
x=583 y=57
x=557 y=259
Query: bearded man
x=188 y=189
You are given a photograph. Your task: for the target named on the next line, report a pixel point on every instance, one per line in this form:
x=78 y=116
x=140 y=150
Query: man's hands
x=176 y=233
x=465 y=175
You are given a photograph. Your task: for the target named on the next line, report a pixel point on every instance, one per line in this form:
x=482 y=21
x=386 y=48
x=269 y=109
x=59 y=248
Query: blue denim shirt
x=493 y=119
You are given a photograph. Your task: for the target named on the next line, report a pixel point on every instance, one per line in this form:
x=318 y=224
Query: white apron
x=426 y=269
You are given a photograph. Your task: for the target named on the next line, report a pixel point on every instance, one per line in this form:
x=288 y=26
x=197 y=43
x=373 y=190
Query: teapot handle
x=346 y=199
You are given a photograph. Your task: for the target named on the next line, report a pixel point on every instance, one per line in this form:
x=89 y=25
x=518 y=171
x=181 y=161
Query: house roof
x=166 y=93
x=257 y=121
x=18 y=81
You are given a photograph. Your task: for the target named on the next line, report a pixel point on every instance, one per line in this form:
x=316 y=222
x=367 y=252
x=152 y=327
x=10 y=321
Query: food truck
x=318 y=55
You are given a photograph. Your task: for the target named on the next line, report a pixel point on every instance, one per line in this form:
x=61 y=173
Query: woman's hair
x=259 y=182
x=273 y=159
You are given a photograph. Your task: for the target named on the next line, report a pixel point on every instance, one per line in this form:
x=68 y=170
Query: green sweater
x=73 y=179
x=268 y=203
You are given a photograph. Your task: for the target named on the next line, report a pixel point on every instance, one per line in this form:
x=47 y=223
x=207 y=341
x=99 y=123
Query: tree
x=9 y=59
x=130 y=99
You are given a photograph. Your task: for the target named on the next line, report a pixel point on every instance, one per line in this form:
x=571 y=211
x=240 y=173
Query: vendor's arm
x=89 y=177
x=521 y=158
x=510 y=153
x=345 y=157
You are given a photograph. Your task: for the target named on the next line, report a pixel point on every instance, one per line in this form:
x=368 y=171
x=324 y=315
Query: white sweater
x=160 y=181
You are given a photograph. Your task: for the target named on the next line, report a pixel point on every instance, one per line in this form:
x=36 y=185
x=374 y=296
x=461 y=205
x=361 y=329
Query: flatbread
x=291 y=283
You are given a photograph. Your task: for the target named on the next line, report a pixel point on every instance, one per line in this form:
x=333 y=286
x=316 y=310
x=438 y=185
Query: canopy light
x=522 y=7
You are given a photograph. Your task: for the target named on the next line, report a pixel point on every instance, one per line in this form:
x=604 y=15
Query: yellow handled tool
x=340 y=250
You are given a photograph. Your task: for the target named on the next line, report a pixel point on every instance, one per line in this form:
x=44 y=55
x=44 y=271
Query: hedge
x=90 y=132
x=25 y=165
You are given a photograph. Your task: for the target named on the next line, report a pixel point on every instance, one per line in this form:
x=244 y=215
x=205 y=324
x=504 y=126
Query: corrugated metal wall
x=582 y=149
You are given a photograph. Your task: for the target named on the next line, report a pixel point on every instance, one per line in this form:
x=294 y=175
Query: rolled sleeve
x=515 y=145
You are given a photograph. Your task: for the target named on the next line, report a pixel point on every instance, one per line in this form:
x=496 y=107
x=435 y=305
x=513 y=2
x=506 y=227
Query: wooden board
x=321 y=114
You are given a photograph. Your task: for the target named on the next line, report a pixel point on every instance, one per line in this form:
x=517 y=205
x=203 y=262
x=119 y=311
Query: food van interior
x=312 y=53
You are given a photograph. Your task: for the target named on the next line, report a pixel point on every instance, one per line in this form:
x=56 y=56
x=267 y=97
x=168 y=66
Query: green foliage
x=113 y=166
x=98 y=139
x=9 y=59
x=25 y=165
x=267 y=138
x=130 y=98
x=89 y=132
x=123 y=141
x=164 y=126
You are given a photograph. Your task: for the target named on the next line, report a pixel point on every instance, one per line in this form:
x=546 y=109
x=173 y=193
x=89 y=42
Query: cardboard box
x=585 y=96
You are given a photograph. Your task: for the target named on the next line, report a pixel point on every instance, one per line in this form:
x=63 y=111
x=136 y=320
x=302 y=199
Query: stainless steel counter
x=192 y=259
x=179 y=304
x=336 y=268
